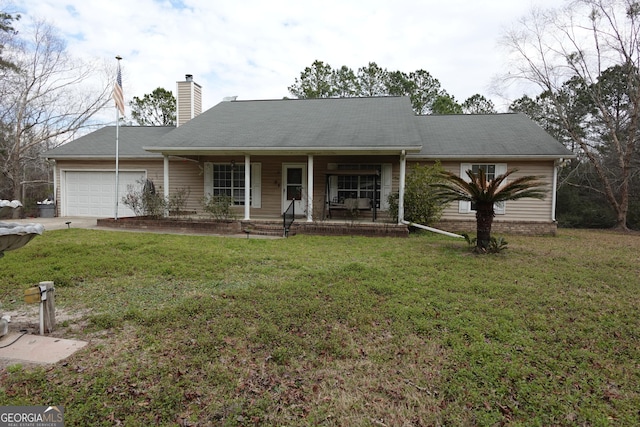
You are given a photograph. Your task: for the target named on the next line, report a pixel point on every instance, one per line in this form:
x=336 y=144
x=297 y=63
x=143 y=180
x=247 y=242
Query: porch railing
x=288 y=217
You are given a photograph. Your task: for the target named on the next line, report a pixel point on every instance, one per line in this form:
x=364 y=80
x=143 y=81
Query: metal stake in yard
x=44 y=293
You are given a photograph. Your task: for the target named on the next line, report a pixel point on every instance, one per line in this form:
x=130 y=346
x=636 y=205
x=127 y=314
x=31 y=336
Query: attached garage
x=92 y=193
x=84 y=171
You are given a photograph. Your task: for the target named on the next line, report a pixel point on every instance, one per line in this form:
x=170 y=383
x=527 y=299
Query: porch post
x=165 y=184
x=247 y=186
x=310 y=188
x=403 y=171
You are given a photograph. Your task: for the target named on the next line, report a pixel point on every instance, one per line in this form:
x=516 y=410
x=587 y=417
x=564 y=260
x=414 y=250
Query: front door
x=294 y=183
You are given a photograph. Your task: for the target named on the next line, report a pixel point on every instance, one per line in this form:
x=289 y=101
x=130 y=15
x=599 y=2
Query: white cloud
x=256 y=49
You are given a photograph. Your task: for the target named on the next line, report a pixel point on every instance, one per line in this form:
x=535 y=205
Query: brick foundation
x=186 y=226
x=526 y=228
x=377 y=229
x=273 y=228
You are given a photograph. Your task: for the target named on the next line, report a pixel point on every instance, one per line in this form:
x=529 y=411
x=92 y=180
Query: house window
x=489 y=173
x=491 y=170
x=228 y=180
x=359 y=186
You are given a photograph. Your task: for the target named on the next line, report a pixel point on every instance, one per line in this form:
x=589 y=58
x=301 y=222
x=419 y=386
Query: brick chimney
x=189 y=100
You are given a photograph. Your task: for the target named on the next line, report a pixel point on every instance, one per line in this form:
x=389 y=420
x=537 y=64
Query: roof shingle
x=102 y=143
x=357 y=124
x=384 y=122
x=485 y=135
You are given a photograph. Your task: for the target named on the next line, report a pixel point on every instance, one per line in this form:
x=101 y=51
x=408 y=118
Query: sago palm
x=486 y=193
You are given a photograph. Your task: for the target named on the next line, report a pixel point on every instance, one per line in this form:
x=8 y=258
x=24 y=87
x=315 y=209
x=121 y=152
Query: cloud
x=256 y=49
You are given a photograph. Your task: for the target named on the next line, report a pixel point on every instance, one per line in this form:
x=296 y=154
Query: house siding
x=271 y=180
x=188 y=174
x=528 y=216
x=527 y=210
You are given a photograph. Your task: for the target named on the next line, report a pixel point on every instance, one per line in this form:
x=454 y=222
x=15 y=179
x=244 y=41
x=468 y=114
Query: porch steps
x=364 y=228
x=264 y=228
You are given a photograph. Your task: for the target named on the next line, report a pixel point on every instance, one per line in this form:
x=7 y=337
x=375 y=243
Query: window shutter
x=333 y=182
x=386 y=180
x=208 y=179
x=463 y=206
x=500 y=207
x=256 y=185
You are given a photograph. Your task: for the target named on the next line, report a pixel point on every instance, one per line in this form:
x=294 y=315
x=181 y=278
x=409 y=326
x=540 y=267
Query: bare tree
x=583 y=41
x=44 y=103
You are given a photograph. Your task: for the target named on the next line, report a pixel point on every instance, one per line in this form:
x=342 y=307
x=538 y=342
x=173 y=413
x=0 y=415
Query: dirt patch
x=69 y=325
x=28 y=319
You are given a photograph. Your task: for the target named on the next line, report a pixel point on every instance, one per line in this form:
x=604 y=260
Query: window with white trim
x=358 y=186
x=225 y=179
x=491 y=170
x=228 y=180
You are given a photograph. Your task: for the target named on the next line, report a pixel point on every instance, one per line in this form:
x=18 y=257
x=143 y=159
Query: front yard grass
x=344 y=331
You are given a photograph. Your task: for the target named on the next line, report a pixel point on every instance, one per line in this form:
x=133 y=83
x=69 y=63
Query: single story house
x=323 y=156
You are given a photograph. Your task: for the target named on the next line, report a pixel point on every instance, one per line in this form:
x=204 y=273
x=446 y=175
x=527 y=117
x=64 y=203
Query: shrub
x=177 y=203
x=496 y=245
x=218 y=206
x=421 y=205
x=143 y=199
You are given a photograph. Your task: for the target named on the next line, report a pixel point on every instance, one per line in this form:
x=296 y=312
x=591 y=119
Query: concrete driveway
x=58 y=223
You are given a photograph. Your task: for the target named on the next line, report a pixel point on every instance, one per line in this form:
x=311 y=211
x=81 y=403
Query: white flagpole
x=115 y=214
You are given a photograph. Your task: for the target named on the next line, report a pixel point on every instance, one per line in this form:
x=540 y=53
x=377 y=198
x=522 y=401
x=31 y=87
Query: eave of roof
x=473 y=157
x=179 y=151
x=147 y=156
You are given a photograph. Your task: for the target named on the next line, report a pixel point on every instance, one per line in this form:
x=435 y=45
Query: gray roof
x=102 y=143
x=486 y=136
x=383 y=123
x=330 y=125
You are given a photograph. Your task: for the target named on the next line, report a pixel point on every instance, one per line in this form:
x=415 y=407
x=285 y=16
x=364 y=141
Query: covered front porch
x=312 y=188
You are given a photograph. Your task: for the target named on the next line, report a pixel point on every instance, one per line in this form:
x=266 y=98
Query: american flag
x=118 y=96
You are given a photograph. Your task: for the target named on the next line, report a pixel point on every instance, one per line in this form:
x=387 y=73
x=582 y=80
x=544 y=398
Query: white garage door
x=92 y=193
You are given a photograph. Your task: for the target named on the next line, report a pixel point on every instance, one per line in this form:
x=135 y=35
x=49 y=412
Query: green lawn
x=335 y=331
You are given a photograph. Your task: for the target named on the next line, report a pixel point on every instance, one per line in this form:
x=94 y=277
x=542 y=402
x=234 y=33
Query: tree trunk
x=484 y=220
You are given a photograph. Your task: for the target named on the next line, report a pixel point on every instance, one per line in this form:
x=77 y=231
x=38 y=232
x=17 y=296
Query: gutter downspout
x=55 y=189
x=310 y=188
x=403 y=171
x=165 y=179
x=556 y=166
x=433 y=230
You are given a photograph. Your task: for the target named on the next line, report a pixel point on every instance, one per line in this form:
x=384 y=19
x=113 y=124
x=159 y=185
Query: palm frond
x=479 y=189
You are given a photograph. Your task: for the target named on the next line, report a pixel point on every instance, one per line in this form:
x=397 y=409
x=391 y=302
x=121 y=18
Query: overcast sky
x=255 y=49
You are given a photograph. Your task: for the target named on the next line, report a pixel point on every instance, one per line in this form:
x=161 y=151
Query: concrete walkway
x=18 y=347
